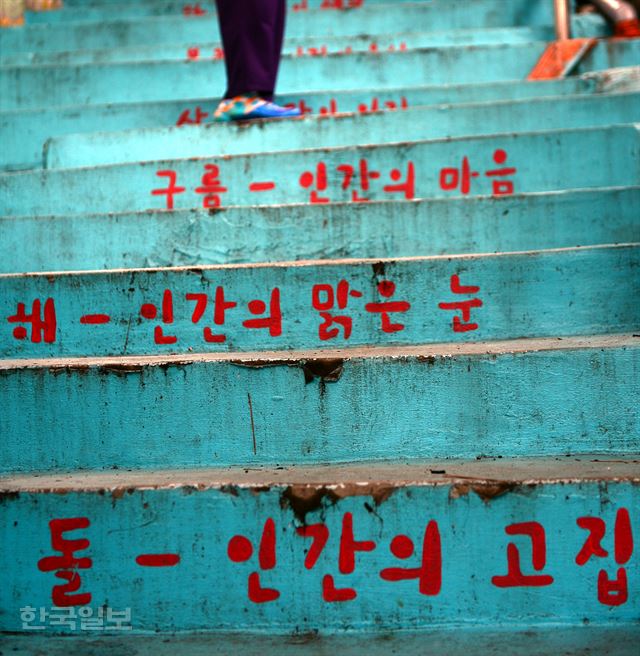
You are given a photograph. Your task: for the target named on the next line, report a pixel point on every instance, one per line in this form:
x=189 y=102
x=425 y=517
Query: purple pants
x=252 y=33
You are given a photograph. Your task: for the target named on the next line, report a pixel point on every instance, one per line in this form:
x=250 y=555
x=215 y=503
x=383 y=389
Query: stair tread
x=344 y=479
x=85 y=190
x=516 y=294
x=51 y=85
x=368 y=19
x=414 y=124
x=274 y=233
x=620 y=640
x=25 y=131
x=318 y=46
x=435 y=350
x=525 y=427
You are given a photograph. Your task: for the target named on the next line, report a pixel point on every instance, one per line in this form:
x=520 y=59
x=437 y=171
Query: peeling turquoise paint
x=28 y=87
x=534 y=294
x=545 y=161
x=544 y=424
x=299 y=232
x=88 y=11
x=414 y=124
x=295 y=47
x=206 y=591
x=25 y=131
x=374 y=19
x=557 y=397
x=556 y=639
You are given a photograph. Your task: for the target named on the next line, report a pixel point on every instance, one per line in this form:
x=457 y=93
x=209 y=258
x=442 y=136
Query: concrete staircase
x=365 y=381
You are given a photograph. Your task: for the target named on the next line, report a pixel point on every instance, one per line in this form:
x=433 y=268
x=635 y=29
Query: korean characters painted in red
x=358 y=181
x=340 y=306
x=218 y=308
x=304 y=5
x=198 y=115
x=425 y=567
x=42 y=322
x=67 y=561
x=326 y=299
x=460 y=178
x=612 y=579
x=462 y=323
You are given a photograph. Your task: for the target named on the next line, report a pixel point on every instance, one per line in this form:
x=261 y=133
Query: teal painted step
x=92 y=12
x=285 y=306
x=436 y=122
x=544 y=161
x=578 y=641
x=141 y=8
x=586 y=25
x=455 y=529
x=549 y=397
x=375 y=19
x=119 y=11
x=295 y=47
x=24 y=132
x=377 y=229
x=30 y=87
x=601 y=56
x=38 y=86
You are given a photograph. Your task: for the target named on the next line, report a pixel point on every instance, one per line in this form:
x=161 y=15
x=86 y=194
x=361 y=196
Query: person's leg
x=278 y=34
x=252 y=32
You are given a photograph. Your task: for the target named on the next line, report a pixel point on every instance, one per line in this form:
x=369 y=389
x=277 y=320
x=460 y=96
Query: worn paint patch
x=305 y=499
x=327 y=370
x=486 y=490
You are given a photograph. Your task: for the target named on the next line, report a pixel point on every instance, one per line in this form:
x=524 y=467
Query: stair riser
x=207 y=591
x=111 y=11
x=320 y=232
x=24 y=132
x=370 y=20
x=31 y=87
x=599 y=58
x=198 y=414
x=545 y=161
x=383 y=127
x=40 y=86
x=294 y=47
x=119 y=11
x=540 y=294
x=516 y=642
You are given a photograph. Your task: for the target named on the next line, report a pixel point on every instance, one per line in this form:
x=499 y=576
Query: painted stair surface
x=283 y=306
x=25 y=131
x=27 y=87
x=547 y=397
x=417 y=123
x=581 y=641
x=377 y=369
x=157 y=238
x=300 y=46
x=441 y=168
x=366 y=547
x=377 y=18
